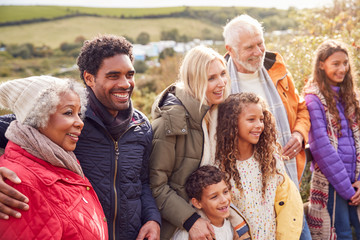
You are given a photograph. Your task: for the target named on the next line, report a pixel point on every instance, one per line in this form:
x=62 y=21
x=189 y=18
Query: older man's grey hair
x=50 y=99
x=239 y=25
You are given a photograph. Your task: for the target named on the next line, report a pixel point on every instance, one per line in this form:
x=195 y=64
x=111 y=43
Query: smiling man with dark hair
x=115 y=144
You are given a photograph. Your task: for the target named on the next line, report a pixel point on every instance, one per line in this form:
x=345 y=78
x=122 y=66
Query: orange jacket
x=297 y=113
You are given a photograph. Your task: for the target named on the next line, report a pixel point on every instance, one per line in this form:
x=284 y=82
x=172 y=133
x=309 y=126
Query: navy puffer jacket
x=118 y=171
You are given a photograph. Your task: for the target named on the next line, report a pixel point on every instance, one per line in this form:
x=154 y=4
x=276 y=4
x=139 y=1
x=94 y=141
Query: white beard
x=249 y=67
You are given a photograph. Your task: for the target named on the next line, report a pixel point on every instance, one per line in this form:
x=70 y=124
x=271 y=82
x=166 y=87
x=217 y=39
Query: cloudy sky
x=283 y=4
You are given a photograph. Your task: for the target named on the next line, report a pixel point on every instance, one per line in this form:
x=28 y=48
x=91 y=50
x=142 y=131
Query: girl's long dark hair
x=347 y=92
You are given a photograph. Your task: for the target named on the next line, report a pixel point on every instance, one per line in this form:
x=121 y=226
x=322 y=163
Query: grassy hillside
x=18 y=13
x=53 y=33
x=273 y=19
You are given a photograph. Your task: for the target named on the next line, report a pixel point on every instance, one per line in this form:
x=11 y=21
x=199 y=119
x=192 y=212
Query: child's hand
x=355 y=200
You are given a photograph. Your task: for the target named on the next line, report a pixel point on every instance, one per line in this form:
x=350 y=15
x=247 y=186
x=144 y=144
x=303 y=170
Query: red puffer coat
x=62 y=204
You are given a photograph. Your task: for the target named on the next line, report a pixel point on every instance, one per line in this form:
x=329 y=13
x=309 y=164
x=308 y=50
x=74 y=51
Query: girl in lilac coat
x=334 y=141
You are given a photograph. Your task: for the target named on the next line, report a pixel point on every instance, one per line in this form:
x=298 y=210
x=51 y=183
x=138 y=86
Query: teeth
x=122 y=95
x=72 y=135
x=223 y=208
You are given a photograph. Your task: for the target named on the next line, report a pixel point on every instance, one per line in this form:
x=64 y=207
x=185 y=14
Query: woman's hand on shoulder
x=201 y=230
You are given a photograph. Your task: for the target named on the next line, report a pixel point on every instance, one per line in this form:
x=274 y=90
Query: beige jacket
x=177 y=152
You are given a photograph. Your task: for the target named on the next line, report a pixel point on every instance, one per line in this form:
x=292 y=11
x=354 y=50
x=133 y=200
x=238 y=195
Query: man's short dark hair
x=201 y=178
x=96 y=50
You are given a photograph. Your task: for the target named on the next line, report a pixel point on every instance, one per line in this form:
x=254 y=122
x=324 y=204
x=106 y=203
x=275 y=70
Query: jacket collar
x=184 y=99
x=191 y=105
x=175 y=106
x=275 y=66
x=136 y=119
x=44 y=171
x=273 y=63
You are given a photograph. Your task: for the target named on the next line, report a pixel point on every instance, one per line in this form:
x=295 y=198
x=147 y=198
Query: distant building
x=139 y=52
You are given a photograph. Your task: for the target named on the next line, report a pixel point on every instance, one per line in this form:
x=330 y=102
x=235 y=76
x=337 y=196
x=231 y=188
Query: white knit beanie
x=21 y=95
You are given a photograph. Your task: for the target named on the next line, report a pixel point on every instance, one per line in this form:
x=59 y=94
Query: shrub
x=140 y=66
x=167 y=52
x=143 y=38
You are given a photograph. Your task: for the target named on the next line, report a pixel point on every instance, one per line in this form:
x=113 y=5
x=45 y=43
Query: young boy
x=209 y=193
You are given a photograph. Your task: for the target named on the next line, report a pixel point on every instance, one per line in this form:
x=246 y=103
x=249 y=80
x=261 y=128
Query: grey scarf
x=40 y=146
x=276 y=107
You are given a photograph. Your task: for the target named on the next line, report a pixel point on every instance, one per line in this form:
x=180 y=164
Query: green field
x=18 y=13
x=10 y=14
x=53 y=33
x=53 y=25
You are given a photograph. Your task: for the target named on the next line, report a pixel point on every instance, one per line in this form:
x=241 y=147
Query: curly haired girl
x=248 y=153
x=334 y=141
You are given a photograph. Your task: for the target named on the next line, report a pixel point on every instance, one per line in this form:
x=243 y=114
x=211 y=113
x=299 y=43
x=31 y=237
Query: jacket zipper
x=115 y=174
x=116 y=145
x=203 y=135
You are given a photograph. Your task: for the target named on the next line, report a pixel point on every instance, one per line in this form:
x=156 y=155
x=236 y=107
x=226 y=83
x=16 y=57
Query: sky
x=280 y=4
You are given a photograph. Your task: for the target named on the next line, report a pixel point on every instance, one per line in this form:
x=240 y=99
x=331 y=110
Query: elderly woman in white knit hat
x=62 y=204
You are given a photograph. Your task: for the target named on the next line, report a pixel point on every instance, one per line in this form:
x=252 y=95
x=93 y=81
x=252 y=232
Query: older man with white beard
x=253 y=69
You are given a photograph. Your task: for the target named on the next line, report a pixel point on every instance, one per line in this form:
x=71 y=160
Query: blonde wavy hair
x=193 y=72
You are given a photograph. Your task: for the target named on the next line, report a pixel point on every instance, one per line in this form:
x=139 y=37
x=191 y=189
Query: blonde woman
x=183 y=128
